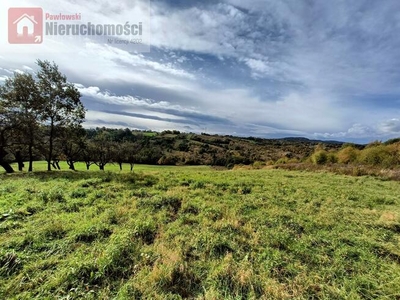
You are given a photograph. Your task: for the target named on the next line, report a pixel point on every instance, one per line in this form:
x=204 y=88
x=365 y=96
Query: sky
x=267 y=68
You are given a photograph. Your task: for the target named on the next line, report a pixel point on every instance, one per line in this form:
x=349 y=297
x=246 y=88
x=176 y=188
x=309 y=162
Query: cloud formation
x=260 y=67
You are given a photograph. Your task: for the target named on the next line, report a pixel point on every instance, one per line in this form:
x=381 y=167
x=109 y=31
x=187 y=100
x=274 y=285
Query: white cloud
x=328 y=63
x=390 y=127
x=136 y=60
x=238 y=107
x=379 y=131
x=259 y=68
x=10 y=72
x=98 y=119
x=128 y=100
x=27 y=68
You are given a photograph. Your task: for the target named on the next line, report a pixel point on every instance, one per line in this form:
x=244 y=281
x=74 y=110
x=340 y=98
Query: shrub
x=377 y=156
x=348 y=155
x=282 y=161
x=392 y=141
x=394 y=151
x=332 y=158
x=293 y=160
x=320 y=157
x=169 y=160
x=373 y=144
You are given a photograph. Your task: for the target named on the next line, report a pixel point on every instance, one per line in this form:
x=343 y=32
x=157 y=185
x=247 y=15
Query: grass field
x=193 y=232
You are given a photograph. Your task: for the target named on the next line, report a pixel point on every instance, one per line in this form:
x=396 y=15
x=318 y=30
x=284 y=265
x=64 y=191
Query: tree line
x=36 y=112
x=41 y=118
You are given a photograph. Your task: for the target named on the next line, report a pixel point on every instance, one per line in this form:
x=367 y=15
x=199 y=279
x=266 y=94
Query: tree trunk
x=20 y=162
x=30 y=159
x=120 y=166
x=57 y=165
x=88 y=166
x=6 y=166
x=101 y=167
x=48 y=163
x=132 y=165
x=50 y=145
x=71 y=165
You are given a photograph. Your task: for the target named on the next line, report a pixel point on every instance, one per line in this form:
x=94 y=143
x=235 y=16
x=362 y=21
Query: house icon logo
x=25 y=25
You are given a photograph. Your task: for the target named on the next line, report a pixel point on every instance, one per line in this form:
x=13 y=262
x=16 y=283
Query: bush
x=392 y=141
x=169 y=160
x=394 y=151
x=320 y=157
x=332 y=158
x=282 y=161
x=377 y=156
x=348 y=155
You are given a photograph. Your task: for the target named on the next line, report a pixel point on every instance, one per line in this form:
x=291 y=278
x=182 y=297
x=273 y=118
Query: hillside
x=176 y=148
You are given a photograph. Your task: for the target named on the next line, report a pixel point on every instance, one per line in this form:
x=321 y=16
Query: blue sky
x=318 y=69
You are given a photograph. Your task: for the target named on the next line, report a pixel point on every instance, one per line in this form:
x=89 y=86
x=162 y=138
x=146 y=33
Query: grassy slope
x=198 y=233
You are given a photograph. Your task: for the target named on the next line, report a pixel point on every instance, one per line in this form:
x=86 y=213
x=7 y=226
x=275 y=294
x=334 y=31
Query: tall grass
x=196 y=233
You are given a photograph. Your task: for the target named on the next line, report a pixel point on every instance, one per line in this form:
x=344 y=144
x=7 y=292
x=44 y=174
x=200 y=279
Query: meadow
x=198 y=233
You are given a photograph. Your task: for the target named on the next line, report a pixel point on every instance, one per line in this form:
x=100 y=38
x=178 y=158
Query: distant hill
x=306 y=140
x=177 y=148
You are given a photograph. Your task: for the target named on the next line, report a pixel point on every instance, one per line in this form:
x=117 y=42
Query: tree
x=62 y=104
x=131 y=153
x=5 y=136
x=72 y=144
x=87 y=154
x=21 y=96
x=120 y=154
x=103 y=150
x=125 y=153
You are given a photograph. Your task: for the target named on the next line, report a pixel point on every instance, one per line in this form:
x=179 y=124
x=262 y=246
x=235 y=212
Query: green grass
x=193 y=232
